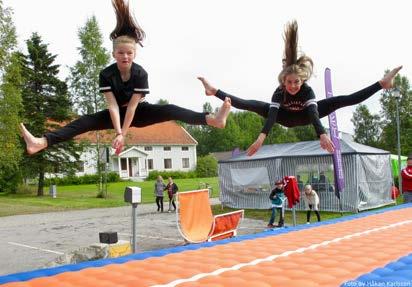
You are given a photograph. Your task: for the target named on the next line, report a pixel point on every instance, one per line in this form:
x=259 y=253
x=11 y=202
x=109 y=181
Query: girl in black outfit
x=293 y=102
x=124 y=85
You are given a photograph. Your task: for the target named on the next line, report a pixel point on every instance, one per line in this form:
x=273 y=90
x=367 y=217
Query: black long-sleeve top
x=305 y=99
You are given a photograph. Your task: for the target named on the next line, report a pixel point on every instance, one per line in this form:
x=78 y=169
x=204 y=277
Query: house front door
x=130 y=167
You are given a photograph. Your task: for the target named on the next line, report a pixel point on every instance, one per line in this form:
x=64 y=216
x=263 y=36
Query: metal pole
x=399 y=144
x=134 y=244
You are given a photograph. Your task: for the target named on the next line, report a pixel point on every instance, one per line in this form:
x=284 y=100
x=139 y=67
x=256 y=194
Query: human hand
x=326 y=143
x=254 y=147
x=118 y=143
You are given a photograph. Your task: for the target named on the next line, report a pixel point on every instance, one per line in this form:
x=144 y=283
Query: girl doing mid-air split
x=293 y=102
x=124 y=85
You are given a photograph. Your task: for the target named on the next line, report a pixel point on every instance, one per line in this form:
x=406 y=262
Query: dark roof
x=306 y=148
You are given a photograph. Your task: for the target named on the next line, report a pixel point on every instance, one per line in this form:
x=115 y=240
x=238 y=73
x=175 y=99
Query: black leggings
x=159 y=202
x=146 y=114
x=309 y=211
x=301 y=118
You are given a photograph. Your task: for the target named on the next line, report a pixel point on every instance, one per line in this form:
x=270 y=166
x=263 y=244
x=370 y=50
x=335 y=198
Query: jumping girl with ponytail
x=125 y=86
x=293 y=102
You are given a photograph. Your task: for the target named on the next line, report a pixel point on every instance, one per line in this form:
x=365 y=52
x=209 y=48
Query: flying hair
x=126 y=25
x=291 y=43
x=302 y=66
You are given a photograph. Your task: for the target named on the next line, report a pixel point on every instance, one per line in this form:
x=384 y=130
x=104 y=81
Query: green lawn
x=264 y=214
x=84 y=196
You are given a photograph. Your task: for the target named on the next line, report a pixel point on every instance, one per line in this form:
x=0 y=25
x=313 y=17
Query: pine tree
x=46 y=104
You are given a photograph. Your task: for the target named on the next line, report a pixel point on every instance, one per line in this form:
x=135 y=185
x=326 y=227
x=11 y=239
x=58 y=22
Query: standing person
x=171 y=191
x=125 y=86
x=277 y=197
x=159 y=189
x=311 y=199
x=407 y=181
x=294 y=102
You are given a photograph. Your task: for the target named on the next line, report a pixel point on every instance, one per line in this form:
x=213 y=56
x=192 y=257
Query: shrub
x=174 y=174
x=84 y=179
x=206 y=166
x=9 y=180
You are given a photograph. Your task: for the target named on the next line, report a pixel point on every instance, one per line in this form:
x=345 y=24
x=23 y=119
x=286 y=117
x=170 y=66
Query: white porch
x=131 y=164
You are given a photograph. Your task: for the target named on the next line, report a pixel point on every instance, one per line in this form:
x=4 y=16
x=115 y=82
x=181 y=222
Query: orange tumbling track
x=323 y=255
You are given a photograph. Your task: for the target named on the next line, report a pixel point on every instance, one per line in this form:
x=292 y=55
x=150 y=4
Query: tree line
x=31 y=92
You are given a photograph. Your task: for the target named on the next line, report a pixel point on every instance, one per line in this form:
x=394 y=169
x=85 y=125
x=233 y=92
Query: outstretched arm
x=113 y=108
x=325 y=141
x=130 y=113
x=270 y=121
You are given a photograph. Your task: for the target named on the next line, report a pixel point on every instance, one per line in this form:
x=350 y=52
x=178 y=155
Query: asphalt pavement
x=33 y=241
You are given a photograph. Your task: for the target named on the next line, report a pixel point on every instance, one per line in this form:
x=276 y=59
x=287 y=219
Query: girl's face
x=292 y=84
x=124 y=54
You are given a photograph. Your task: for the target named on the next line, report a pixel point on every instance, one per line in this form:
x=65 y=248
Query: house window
x=150 y=163
x=168 y=163
x=185 y=162
x=167 y=148
x=148 y=148
x=185 y=148
x=123 y=163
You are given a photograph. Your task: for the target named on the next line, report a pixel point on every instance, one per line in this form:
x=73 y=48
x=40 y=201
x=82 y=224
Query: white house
x=164 y=146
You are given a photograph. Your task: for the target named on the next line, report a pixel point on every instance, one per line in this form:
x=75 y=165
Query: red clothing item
x=407 y=179
x=291 y=190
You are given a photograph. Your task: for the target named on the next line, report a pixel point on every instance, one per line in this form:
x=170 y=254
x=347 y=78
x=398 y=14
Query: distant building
x=164 y=146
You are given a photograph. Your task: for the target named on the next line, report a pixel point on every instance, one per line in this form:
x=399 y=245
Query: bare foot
x=219 y=121
x=387 y=80
x=33 y=144
x=209 y=89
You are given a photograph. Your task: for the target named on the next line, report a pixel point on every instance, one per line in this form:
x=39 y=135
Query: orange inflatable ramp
x=196 y=222
x=372 y=246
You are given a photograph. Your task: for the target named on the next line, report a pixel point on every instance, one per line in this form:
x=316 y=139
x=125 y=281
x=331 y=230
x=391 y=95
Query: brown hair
x=127 y=28
x=302 y=66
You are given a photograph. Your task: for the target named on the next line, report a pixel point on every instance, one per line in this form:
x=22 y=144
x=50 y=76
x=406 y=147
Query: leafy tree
x=46 y=103
x=84 y=76
x=367 y=127
x=84 y=81
x=8 y=39
x=206 y=166
x=10 y=103
x=305 y=133
x=388 y=105
x=10 y=108
x=207 y=108
x=162 y=102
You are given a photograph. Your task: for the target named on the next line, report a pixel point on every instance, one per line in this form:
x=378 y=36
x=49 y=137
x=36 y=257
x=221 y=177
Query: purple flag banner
x=334 y=135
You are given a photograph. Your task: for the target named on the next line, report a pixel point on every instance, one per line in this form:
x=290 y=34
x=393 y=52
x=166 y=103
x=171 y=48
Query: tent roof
x=306 y=148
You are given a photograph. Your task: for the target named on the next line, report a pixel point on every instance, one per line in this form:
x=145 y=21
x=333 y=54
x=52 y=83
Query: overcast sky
x=237 y=44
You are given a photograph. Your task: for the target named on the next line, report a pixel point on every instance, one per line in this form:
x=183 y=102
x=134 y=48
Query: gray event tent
x=246 y=182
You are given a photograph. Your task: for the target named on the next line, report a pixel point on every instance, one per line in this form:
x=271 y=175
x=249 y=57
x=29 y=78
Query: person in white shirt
x=311 y=200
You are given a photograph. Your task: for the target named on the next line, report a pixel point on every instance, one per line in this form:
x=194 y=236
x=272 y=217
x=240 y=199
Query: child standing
x=158 y=190
x=277 y=196
x=171 y=191
x=311 y=199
